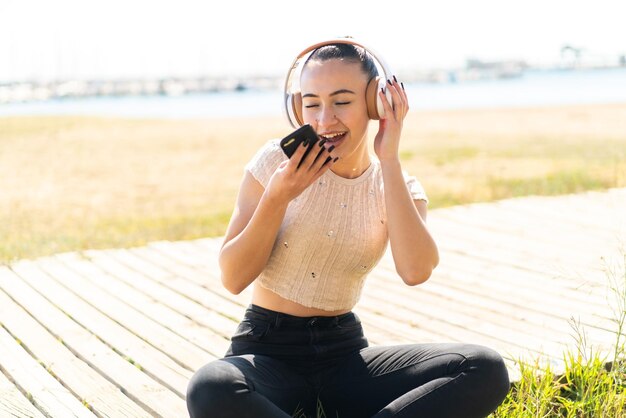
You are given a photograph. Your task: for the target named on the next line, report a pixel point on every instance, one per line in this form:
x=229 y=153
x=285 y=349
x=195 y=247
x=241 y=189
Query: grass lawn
x=69 y=183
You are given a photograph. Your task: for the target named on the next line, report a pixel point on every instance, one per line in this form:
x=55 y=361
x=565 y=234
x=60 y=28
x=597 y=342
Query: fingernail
x=395 y=79
x=331 y=148
x=322 y=142
x=327 y=160
x=402 y=84
x=389 y=81
x=382 y=90
x=335 y=160
x=306 y=143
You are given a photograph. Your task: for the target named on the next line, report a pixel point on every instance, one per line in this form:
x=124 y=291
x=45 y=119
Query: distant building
x=570 y=56
x=478 y=69
x=573 y=57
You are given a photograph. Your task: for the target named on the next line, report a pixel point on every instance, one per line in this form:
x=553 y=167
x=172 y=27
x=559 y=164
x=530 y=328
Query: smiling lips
x=333 y=138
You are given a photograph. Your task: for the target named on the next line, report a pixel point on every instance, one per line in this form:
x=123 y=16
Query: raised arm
x=414 y=251
x=258 y=215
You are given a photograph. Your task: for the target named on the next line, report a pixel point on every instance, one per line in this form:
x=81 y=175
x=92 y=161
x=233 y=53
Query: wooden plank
x=171 y=296
x=168 y=262
x=574 y=210
x=540 y=216
x=180 y=350
x=573 y=214
x=47 y=394
x=467 y=286
x=206 y=249
x=104 y=398
x=381 y=327
x=211 y=244
x=188 y=254
x=456 y=265
x=403 y=318
x=513 y=250
x=434 y=317
x=574 y=205
x=548 y=233
x=573 y=289
x=231 y=308
x=529 y=272
x=463 y=306
x=12 y=402
x=206 y=279
x=480 y=281
x=529 y=245
x=520 y=331
x=490 y=307
x=487 y=275
x=153 y=375
x=94 y=279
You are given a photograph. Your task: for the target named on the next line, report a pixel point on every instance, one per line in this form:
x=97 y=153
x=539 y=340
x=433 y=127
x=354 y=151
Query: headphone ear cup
x=372 y=99
x=296 y=103
x=293 y=107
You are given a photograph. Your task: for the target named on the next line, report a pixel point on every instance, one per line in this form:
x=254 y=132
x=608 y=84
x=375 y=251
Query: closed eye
x=338 y=104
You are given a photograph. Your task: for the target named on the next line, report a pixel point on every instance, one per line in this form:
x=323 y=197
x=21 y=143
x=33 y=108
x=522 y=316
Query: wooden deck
x=118 y=333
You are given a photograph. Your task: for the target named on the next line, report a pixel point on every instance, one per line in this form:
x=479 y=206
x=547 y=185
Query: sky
x=61 y=39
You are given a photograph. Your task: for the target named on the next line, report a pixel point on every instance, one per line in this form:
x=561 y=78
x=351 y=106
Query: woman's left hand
x=387 y=141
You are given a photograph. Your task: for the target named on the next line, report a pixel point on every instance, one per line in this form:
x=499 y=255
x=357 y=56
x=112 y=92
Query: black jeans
x=280 y=365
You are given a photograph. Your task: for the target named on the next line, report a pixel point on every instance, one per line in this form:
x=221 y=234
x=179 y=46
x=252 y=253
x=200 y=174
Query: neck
x=353 y=165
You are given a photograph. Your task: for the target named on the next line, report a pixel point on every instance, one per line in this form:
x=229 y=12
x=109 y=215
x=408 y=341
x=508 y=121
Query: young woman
x=305 y=232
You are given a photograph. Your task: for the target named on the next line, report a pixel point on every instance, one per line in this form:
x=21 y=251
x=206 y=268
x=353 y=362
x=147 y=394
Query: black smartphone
x=291 y=142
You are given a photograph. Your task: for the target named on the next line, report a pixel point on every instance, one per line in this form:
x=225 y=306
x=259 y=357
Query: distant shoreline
x=533 y=88
x=39 y=91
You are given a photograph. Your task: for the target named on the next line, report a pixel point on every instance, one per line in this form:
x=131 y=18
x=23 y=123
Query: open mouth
x=334 y=138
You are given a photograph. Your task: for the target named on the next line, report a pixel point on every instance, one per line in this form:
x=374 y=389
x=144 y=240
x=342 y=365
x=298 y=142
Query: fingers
x=316 y=159
x=296 y=158
x=402 y=92
x=399 y=106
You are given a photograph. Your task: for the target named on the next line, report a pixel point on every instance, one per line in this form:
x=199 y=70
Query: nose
x=325 y=117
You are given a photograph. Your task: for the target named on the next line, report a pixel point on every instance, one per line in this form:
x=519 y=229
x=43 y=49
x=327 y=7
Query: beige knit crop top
x=331 y=237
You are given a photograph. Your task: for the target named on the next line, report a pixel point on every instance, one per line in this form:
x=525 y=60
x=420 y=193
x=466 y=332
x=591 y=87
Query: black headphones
x=293 y=96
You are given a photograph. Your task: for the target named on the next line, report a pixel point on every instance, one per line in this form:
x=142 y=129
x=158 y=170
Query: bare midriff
x=269 y=300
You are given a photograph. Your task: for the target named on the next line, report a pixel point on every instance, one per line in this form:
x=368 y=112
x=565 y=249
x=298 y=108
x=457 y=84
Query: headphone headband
x=289 y=109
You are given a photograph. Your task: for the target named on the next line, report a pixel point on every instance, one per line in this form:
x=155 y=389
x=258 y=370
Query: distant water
x=534 y=88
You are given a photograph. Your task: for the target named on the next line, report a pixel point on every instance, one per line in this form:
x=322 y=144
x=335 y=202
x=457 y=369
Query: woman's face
x=333 y=102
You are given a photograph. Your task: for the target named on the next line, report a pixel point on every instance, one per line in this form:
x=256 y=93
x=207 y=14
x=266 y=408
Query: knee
x=212 y=388
x=493 y=372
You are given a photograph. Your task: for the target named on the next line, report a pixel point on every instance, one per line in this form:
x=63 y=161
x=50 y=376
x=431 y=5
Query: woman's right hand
x=291 y=177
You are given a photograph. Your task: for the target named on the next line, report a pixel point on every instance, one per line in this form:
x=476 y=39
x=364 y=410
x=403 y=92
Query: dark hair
x=347 y=52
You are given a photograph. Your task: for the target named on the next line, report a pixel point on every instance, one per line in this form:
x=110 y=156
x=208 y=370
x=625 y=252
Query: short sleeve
x=265 y=162
x=415 y=187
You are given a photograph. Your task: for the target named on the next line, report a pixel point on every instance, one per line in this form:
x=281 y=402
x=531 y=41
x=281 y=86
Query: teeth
x=331 y=136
